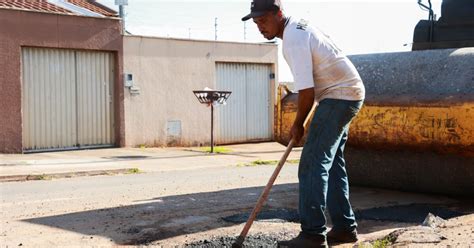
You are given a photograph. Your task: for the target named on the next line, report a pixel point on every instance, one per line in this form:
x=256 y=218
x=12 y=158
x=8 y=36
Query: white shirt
x=316 y=62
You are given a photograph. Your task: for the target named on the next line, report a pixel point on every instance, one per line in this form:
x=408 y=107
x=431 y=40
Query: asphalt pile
x=258 y=240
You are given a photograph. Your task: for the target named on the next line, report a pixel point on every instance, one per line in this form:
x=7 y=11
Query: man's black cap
x=260 y=7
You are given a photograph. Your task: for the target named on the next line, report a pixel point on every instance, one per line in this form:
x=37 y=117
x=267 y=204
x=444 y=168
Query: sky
x=356 y=26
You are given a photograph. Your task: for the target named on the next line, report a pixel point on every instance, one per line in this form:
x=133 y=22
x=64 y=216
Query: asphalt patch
x=273 y=215
x=412 y=213
x=259 y=240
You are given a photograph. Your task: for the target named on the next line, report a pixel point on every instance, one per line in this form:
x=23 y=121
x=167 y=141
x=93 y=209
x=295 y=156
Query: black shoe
x=342 y=236
x=304 y=240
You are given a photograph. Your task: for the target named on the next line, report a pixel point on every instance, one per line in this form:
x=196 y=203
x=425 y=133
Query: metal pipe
x=122 y=16
x=212 y=128
x=215 y=28
x=429 y=8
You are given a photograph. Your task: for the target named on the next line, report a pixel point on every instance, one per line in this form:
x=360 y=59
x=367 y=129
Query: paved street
x=173 y=203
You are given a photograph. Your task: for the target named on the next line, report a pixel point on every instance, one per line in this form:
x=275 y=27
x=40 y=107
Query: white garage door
x=248 y=114
x=67 y=99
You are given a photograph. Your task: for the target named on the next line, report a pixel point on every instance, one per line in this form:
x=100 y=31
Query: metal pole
x=122 y=16
x=212 y=128
x=215 y=28
x=245 y=31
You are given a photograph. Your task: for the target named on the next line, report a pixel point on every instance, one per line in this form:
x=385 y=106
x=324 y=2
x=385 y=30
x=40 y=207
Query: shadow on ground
x=410 y=213
x=165 y=217
x=160 y=218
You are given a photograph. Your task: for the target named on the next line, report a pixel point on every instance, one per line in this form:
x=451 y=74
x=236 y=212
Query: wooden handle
x=263 y=197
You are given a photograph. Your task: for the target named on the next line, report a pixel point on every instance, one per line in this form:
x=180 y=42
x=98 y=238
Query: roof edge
x=94 y=2
x=74 y=8
x=202 y=40
x=56 y=13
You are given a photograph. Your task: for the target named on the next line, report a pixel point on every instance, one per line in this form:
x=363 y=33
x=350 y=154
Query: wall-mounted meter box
x=128 y=80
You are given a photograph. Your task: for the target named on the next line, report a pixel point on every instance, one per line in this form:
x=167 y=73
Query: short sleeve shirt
x=315 y=61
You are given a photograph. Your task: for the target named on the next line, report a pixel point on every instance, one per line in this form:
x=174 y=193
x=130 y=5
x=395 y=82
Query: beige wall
x=167 y=71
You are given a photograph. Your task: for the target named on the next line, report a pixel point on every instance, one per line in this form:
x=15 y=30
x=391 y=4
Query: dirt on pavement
x=190 y=207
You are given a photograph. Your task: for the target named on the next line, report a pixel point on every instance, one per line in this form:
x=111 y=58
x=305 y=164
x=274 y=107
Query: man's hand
x=297 y=132
x=305 y=103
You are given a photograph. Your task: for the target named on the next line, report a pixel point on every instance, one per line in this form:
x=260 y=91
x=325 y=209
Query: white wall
x=167 y=71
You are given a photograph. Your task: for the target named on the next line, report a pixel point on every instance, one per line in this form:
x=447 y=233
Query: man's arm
x=305 y=103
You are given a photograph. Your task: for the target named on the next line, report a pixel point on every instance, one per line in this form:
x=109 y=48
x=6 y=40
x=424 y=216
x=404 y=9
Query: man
x=322 y=73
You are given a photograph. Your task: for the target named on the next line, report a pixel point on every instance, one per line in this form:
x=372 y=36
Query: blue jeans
x=322 y=173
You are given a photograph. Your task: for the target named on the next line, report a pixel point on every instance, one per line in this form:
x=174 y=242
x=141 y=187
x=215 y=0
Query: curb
x=45 y=176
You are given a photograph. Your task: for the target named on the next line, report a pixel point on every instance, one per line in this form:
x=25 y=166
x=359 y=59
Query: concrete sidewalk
x=20 y=167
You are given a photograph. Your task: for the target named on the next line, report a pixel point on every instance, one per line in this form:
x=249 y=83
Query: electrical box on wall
x=128 y=80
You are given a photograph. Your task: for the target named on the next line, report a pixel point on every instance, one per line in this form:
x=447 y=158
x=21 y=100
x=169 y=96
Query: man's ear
x=280 y=14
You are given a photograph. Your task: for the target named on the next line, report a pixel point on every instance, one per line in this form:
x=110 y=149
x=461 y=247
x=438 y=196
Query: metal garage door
x=248 y=113
x=67 y=99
